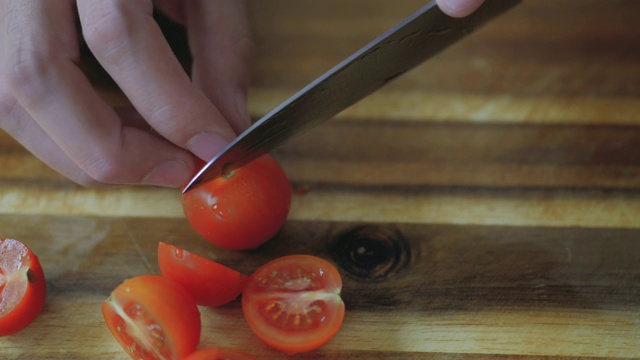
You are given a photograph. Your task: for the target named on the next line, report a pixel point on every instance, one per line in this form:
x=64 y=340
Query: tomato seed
x=121 y=326
x=134 y=310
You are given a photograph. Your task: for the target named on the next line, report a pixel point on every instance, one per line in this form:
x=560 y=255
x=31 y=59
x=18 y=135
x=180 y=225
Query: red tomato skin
x=243 y=210
x=220 y=354
x=210 y=283
x=32 y=302
x=259 y=290
x=171 y=308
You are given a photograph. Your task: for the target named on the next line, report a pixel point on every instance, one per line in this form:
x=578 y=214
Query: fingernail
x=207 y=145
x=172 y=173
x=241 y=105
x=460 y=8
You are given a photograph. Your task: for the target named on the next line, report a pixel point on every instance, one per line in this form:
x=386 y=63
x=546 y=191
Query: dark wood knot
x=370 y=253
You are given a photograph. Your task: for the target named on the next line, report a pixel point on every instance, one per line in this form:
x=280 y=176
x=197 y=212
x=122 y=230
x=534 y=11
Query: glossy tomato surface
x=220 y=354
x=242 y=209
x=153 y=317
x=293 y=303
x=210 y=283
x=22 y=286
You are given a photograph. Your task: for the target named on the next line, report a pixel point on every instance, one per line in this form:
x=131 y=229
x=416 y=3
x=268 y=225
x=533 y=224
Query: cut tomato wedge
x=220 y=354
x=22 y=286
x=210 y=283
x=153 y=317
x=293 y=303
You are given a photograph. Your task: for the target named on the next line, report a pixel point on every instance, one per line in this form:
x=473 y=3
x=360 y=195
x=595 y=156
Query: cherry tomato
x=220 y=354
x=22 y=286
x=242 y=209
x=210 y=283
x=153 y=317
x=293 y=303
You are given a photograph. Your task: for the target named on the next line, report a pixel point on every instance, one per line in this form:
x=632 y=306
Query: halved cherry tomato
x=153 y=317
x=220 y=354
x=242 y=209
x=293 y=303
x=210 y=283
x=22 y=286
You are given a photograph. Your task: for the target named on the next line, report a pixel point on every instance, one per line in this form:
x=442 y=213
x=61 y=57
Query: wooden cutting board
x=494 y=191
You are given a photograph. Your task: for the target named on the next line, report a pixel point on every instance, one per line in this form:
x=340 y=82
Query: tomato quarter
x=210 y=283
x=153 y=317
x=293 y=303
x=22 y=286
x=242 y=209
x=220 y=354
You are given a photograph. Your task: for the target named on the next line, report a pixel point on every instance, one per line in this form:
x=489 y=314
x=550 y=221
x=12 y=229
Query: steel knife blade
x=422 y=35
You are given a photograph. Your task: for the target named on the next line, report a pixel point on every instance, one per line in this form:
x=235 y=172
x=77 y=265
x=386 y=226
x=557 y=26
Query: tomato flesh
x=22 y=286
x=210 y=283
x=242 y=209
x=220 y=354
x=153 y=317
x=293 y=303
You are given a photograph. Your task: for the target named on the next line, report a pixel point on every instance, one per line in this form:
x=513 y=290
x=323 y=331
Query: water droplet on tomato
x=220 y=211
x=178 y=253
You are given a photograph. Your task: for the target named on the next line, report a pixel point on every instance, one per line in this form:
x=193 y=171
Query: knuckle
x=26 y=75
x=245 y=48
x=106 y=31
x=106 y=169
x=167 y=120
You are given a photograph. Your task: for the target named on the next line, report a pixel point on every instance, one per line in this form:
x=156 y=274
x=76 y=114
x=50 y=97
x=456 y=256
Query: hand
x=459 y=8
x=49 y=106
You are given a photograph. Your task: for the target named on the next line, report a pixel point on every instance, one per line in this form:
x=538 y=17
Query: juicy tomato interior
x=220 y=354
x=293 y=303
x=210 y=283
x=153 y=317
x=22 y=286
x=242 y=209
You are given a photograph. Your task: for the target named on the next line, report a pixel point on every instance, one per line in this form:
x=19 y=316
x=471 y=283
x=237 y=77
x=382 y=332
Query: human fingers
x=42 y=74
x=222 y=45
x=21 y=126
x=459 y=8
x=129 y=44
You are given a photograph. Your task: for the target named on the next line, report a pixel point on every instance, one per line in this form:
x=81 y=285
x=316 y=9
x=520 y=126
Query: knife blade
x=422 y=35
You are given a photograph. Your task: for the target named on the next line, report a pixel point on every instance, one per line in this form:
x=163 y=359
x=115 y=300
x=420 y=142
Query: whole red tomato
x=242 y=209
x=22 y=286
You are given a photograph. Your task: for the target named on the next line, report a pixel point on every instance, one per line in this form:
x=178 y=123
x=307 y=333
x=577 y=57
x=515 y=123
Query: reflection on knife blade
x=419 y=37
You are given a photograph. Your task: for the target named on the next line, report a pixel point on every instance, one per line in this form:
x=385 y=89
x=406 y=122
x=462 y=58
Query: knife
x=417 y=38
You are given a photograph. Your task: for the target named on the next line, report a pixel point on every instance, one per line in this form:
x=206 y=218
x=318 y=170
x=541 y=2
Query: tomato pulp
x=153 y=317
x=242 y=209
x=293 y=303
x=210 y=283
x=22 y=286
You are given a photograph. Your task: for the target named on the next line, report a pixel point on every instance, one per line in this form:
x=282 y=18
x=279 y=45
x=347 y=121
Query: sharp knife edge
x=420 y=36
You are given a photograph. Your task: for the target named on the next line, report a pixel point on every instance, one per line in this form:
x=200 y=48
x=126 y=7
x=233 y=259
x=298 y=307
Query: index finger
x=129 y=44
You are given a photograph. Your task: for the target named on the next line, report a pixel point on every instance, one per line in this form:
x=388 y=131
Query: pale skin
x=49 y=106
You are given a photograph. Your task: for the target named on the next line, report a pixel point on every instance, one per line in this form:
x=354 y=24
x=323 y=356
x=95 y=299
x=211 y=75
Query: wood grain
x=429 y=288
x=494 y=193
